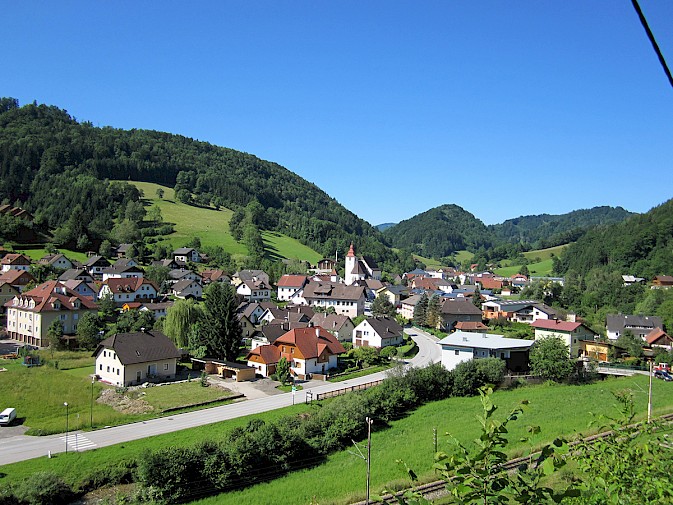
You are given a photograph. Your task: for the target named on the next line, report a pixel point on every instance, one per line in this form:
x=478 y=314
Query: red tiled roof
x=554 y=324
x=311 y=341
x=128 y=285
x=48 y=293
x=470 y=326
x=14 y=276
x=15 y=259
x=657 y=334
x=268 y=354
x=291 y=281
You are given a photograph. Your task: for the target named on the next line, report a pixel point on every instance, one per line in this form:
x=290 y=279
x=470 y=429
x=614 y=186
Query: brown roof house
x=125 y=359
x=456 y=311
x=378 y=331
x=308 y=350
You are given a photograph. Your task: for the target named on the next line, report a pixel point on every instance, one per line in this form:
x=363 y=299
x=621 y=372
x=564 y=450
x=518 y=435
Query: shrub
x=121 y=473
x=44 y=488
x=388 y=352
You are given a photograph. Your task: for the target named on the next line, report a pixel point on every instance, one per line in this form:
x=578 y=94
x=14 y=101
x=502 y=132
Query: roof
x=50 y=259
x=73 y=273
x=128 y=285
x=412 y=300
x=274 y=330
x=248 y=275
x=292 y=281
x=658 y=334
x=556 y=325
x=16 y=259
x=140 y=347
x=268 y=353
x=312 y=342
x=459 y=306
x=96 y=261
x=179 y=273
x=46 y=295
x=470 y=325
x=183 y=251
x=385 y=326
x=13 y=276
x=619 y=322
x=667 y=279
x=331 y=322
x=484 y=341
x=333 y=291
x=183 y=284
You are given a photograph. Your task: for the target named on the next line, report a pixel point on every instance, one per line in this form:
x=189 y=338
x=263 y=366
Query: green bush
x=388 y=352
x=44 y=488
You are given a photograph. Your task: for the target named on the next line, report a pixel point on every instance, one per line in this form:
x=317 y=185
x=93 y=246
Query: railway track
x=437 y=489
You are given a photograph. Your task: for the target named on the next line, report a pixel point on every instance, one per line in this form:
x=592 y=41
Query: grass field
x=212 y=227
x=558 y=410
x=36 y=254
x=543 y=268
x=545 y=254
x=433 y=263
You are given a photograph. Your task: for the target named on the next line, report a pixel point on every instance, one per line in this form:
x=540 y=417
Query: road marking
x=77 y=441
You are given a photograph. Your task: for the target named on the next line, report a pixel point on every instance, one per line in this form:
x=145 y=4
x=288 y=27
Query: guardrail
x=310 y=396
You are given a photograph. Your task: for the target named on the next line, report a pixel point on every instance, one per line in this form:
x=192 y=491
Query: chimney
x=317 y=331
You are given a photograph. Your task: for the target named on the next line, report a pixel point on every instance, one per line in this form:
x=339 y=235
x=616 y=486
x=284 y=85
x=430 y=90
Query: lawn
x=433 y=263
x=212 y=227
x=38 y=394
x=36 y=254
x=545 y=254
x=543 y=268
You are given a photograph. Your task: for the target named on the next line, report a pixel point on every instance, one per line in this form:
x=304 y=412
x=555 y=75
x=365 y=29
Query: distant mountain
x=546 y=230
x=384 y=226
x=640 y=246
x=440 y=232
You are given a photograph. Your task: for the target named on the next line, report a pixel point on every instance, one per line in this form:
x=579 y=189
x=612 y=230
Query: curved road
x=22 y=447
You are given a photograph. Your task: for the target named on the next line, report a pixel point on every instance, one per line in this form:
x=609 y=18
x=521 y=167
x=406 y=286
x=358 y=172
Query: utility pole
x=649 y=396
x=369 y=453
x=434 y=438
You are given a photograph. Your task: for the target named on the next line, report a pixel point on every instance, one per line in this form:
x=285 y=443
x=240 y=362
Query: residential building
x=30 y=314
x=186 y=254
x=15 y=261
x=187 y=288
x=17 y=278
x=215 y=276
x=339 y=325
x=662 y=281
x=659 y=338
x=462 y=346
x=250 y=275
x=454 y=311
x=288 y=285
x=347 y=300
x=79 y=274
x=639 y=326
x=378 y=331
x=125 y=359
x=254 y=290
x=131 y=289
x=58 y=261
x=407 y=306
x=572 y=333
x=95 y=266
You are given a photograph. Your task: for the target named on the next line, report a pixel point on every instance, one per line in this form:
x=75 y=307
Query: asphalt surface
x=21 y=447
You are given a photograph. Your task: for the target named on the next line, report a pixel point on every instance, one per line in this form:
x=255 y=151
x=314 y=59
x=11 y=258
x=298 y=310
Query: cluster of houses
x=316 y=319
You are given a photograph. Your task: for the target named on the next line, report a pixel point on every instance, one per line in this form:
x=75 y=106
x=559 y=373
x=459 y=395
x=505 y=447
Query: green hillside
x=212 y=226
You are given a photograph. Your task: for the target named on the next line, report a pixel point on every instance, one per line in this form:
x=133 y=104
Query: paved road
x=20 y=448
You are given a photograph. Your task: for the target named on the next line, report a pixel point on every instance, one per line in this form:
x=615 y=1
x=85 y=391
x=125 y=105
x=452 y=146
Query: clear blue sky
x=504 y=108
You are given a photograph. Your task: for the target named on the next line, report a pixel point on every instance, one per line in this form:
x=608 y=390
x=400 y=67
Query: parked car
x=7 y=416
x=664 y=375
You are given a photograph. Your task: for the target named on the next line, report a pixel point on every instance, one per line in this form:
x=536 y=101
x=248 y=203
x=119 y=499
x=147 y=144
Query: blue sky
x=504 y=108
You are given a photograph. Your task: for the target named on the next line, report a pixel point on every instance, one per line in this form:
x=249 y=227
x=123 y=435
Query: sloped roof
x=292 y=281
x=140 y=347
x=311 y=341
x=268 y=354
x=73 y=273
x=96 y=261
x=333 y=291
x=128 y=285
x=47 y=294
x=13 y=276
x=471 y=326
x=183 y=284
x=16 y=259
x=658 y=334
x=385 y=326
x=556 y=325
x=459 y=307
x=619 y=322
x=274 y=330
x=331 y=322
x=183 y=251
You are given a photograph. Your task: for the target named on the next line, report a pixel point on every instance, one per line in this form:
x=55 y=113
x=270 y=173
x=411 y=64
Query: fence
x=310 y=396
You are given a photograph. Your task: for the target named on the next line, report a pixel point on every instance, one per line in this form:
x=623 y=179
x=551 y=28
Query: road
x=20 y=448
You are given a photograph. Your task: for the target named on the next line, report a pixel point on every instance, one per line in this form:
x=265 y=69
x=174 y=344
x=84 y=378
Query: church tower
x=351 y=262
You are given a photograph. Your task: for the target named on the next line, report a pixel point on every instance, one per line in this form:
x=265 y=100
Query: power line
x=650 y=35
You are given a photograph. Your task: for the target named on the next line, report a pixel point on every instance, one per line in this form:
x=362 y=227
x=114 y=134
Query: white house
x=125 y=359
x=254 y=290
x=288 y=285
x=572 y=333
x=378 y=331
x=15 y=261
x=463 y=346
x=185 y=254
x=187 y=288
x=129 y=289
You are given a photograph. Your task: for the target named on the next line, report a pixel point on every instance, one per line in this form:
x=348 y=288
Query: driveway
x=20 y=448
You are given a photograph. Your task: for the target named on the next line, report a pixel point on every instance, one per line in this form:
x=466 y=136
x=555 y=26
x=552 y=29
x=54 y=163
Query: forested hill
x=640 y=246
x=545 y=230
x=440 y=232
x=57 y=168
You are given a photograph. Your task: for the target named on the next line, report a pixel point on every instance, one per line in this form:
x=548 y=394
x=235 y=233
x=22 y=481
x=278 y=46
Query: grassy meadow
x=37 y=253
x=212 y=227
x=557 y=409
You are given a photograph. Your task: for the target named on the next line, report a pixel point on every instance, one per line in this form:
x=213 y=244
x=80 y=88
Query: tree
x=420 y=311
x=42 y=272
x=88 y=330
x=107 y=306
x=630 y=343
x=550 y=359
x=433 y=313
x=382 y=306
x=105 y=248
x=476 y=299
x=179 y=321
x=283 y=371
x=55 y=335
x=160 y=193
x=222 y=332
x=524 y=270
x=157 y=274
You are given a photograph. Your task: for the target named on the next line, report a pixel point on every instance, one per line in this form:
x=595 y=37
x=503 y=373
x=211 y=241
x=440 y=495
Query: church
x=358 y=269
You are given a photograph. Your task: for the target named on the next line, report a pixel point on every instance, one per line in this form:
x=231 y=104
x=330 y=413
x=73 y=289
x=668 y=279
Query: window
x=117 y=371
x=100 y=367
x=457 y=352
x=108 y=368
x=105 y=354
x=165 y=366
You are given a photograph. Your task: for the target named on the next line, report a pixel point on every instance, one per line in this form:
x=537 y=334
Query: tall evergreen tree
x=382 y=307
x=421 y=310
x=221 y=330
x=432 y=315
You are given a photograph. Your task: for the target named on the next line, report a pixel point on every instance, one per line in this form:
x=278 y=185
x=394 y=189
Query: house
x=346 y=300
x=83 y=288
x=292 y=314
x=187 y=288
x=520 y=311
x=252 y=310
x=339 y=325
x=394 y=294
x=125 y=359
x=58 y=261
x=17 y=278
x=131 y=289
x=472 y=327
x=659 y=338
x=215 y=276
x=325 y=266
x=360 y=268
x=95 y=266
x=247 y=328
x=640 y=326
x=123 y=249
x=250 y=275
x=309 y=351
x=7 y=293
x=454 y=311
x=122 y=271
x=268 y=333
x=629 y=280
x=254 y=290
x=79 y=274
x=180 y=274
x=15 y=261
x=264 y=359
x=463 y=346
x=289 y=285
x=662 y=281
x=158 y=309
x=184 y=255
x=572 y=333
x=407 y=306
x=378 y=331
x=168 y=263
x=30 y=314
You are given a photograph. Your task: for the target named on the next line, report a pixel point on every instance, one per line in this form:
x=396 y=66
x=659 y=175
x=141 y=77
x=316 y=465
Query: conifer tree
x=420 y=311
x=432 y=315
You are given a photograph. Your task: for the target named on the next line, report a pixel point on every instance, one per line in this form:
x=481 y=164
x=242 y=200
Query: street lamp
x=66 y=426
x=93 y=380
